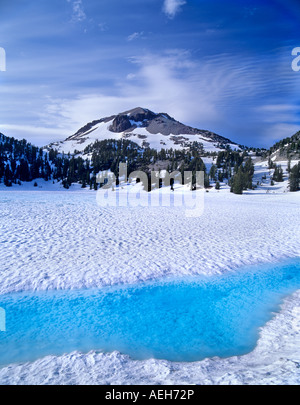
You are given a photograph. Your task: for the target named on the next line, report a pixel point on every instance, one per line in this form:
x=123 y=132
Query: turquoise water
x=179 y=320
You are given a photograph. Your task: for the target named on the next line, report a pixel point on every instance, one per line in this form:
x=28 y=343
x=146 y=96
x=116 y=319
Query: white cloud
x=171 y=7
x=277 y=131
x=38 y=135
x=282 y=120
x=135 y=35
x=170 y=83
x=130 y=76
x=211 y=93
x=222 y=93
x=78 y=10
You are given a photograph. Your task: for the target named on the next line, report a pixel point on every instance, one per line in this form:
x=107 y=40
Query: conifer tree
x=294 y=180
x=278 y=174
x=213 y=172
x=238 y=182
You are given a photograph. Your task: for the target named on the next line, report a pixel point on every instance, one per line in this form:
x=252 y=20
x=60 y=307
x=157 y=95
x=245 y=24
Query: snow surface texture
x=64 y=240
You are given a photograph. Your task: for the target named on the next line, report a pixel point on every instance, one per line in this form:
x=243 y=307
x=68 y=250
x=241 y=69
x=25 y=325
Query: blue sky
x=221 y=65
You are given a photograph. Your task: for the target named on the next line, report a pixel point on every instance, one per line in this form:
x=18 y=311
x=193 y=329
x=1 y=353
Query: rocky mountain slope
x=288 y=148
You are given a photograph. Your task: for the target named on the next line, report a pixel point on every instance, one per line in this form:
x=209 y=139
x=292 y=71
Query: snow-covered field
x=64 y=240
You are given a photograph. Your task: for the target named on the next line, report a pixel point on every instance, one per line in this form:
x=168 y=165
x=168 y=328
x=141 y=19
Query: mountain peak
x=128 y=119
x=147 y=129
x=137 y=110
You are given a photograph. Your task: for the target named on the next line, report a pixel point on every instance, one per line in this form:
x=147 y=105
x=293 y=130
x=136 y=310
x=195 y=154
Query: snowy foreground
x=64 y=240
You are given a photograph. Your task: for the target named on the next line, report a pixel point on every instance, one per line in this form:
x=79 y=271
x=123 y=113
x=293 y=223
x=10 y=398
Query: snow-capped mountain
x=147 y=129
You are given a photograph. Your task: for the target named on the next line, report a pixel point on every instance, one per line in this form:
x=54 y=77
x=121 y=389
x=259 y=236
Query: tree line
x=21 y=161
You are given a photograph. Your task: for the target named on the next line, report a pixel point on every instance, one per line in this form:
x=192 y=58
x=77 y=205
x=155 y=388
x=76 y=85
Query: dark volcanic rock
x=125 y=121
x=120 y=124
x=140 y=114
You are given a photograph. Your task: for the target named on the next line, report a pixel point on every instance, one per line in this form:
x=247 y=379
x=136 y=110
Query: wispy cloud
x=102 y=26
x=207 y=93
x=135 y=35
x=278 y=120
x=249 y=93
x=172 y=7
x=78 y=13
